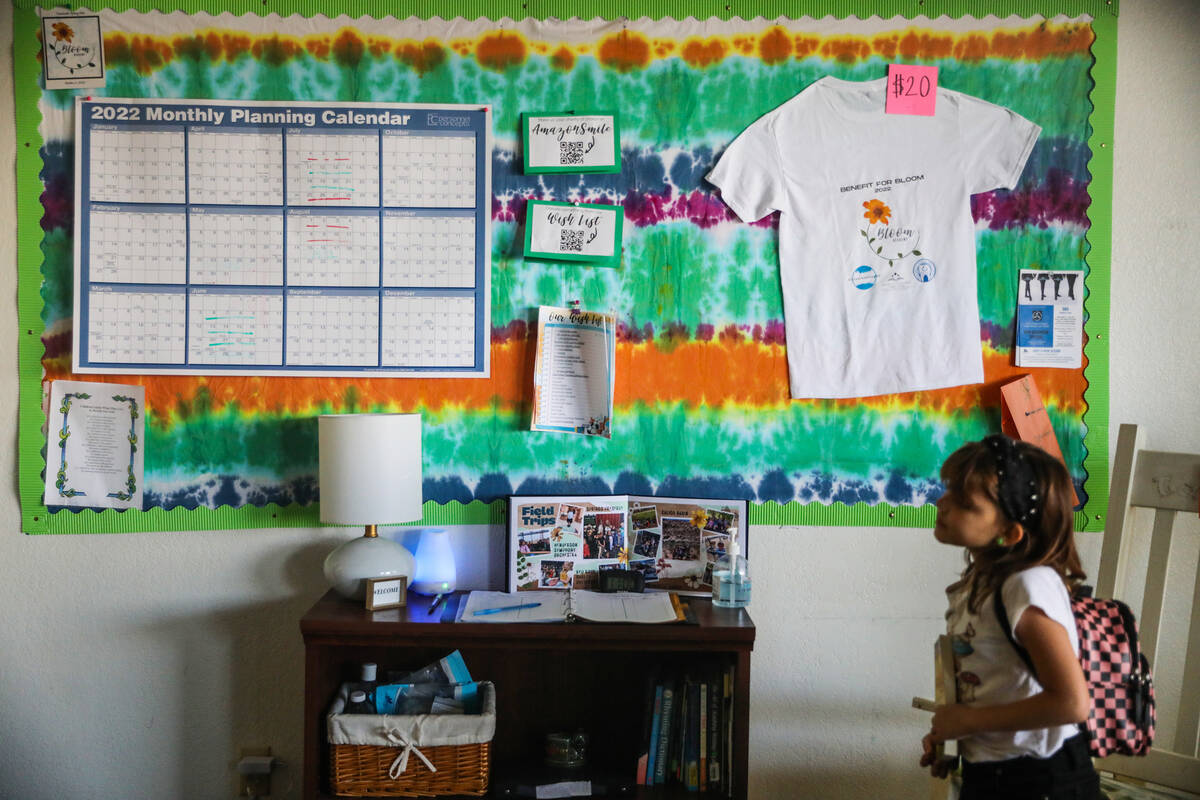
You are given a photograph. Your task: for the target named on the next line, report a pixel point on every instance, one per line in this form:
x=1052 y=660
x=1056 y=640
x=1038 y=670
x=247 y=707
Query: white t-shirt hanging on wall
x=876 y=239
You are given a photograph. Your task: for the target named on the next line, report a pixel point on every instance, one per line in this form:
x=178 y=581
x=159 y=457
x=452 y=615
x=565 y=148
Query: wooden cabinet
x=548 y=677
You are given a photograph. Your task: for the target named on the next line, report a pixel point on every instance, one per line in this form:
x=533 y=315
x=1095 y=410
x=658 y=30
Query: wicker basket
x=362 y=762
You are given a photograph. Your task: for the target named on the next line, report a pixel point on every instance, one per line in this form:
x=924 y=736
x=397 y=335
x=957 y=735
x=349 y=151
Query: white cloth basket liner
x=423 y=730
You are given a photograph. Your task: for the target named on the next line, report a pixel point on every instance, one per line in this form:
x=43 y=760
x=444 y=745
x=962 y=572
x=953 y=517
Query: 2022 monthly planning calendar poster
x=225 y=237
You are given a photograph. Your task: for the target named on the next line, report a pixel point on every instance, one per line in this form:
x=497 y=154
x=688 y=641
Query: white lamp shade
x=435 y=563
x=370 y=468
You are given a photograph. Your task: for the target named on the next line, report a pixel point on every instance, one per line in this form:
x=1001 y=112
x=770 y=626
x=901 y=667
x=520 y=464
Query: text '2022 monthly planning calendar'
x=226 y=237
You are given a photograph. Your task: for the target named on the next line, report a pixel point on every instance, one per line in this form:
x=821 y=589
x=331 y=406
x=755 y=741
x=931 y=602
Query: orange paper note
x=1023 y=416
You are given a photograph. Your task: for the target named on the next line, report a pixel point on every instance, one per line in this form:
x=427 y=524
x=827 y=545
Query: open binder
x=574 y=605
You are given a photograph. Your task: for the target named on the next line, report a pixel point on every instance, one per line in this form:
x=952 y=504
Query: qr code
x=570 y=152
x=571 y=241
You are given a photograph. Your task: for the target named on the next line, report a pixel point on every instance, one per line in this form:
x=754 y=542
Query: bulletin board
x=701 y=404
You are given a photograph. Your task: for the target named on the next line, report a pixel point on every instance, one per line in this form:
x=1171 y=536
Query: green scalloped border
x=88 y=520
x=35 y=518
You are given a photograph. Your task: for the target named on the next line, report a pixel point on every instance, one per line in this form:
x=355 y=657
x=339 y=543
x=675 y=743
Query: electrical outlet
x=257 y=784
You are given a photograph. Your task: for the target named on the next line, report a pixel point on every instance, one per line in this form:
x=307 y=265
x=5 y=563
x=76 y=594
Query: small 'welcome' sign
x=566 y=141
x=588 y=232
x=386 y=593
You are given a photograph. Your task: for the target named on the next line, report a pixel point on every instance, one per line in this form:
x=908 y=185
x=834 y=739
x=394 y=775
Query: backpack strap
x=1002 y=618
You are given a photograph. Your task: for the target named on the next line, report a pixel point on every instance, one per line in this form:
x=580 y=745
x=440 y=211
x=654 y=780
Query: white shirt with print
x=990 y=672
x=876 y=238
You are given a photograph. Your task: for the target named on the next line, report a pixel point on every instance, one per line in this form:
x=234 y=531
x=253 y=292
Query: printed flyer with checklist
x=573 y=372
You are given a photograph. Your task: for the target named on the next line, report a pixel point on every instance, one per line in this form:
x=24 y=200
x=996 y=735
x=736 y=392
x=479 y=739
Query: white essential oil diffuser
x=435 y=563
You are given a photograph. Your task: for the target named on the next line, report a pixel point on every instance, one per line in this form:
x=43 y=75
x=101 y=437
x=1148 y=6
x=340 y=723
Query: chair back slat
x=1187 y=730
x=1155 y=590
x=1114 y=554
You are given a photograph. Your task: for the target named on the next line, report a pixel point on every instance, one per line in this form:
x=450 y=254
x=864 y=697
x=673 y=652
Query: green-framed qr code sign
x=571 y=141
x=584 y=232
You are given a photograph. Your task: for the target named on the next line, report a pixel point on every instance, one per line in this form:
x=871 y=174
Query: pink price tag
x=911 y=89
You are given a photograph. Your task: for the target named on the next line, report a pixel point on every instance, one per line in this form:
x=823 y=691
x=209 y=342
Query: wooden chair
x=1170 y=484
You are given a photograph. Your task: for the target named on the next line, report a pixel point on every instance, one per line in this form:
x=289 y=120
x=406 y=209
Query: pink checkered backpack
x=1121 y=720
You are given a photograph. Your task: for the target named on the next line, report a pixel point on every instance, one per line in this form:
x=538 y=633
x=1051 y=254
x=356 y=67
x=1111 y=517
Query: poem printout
x=573 y=372
x=94 y=454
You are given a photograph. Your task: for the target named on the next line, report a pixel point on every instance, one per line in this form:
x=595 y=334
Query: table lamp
x=370 y=474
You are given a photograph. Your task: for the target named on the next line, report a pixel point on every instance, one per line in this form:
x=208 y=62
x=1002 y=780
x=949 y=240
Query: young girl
x=1009 y=504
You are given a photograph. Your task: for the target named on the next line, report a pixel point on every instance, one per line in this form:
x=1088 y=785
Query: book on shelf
x=653 y=706
x=662 y=753
x=575 y=605
x=687 y=731
x=727 y=765
x=691 y=738
x=703 y=729
x=713 y=732
x=678 y=726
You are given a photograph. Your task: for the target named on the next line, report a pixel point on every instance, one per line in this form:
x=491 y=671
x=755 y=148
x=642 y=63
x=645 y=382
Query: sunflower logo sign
x=72 y=52
x=877 y=211
x=889 y=240
x=885 y=237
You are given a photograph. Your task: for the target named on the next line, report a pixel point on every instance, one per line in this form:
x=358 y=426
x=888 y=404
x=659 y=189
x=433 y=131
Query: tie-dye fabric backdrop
x=701 y=401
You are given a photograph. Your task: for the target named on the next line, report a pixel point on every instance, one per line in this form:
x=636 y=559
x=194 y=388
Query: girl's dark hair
x=1049 y=538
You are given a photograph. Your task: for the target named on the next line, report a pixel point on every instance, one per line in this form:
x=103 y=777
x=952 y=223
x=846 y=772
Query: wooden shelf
x=548 y=676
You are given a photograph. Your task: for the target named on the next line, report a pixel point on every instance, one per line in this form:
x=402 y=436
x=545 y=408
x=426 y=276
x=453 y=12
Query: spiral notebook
x=576 y=605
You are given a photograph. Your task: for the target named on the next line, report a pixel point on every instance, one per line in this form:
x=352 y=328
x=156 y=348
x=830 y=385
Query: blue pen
x=483 y=611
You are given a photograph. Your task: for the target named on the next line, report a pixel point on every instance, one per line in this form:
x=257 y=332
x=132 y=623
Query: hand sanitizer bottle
x=731 y=579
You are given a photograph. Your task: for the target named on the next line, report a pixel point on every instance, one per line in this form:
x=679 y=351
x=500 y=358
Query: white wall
x=167 y=652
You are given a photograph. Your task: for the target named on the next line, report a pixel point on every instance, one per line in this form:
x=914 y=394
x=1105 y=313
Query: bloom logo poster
x=72 y=52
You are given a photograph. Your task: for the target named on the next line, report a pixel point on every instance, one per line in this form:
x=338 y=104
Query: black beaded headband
x=1017 y=487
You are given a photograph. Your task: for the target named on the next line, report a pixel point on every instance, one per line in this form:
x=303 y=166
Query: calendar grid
x=332 y=169
x=236 y=246
x=235 y=326
x=187 y=219
x=273 y=238
x=138 y=244
x=382 y=249
x=283 y=278
x=236 y=167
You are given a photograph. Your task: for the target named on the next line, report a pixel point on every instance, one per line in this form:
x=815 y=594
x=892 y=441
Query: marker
x=923 y=704
x=437 y=601
x=483 y=611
